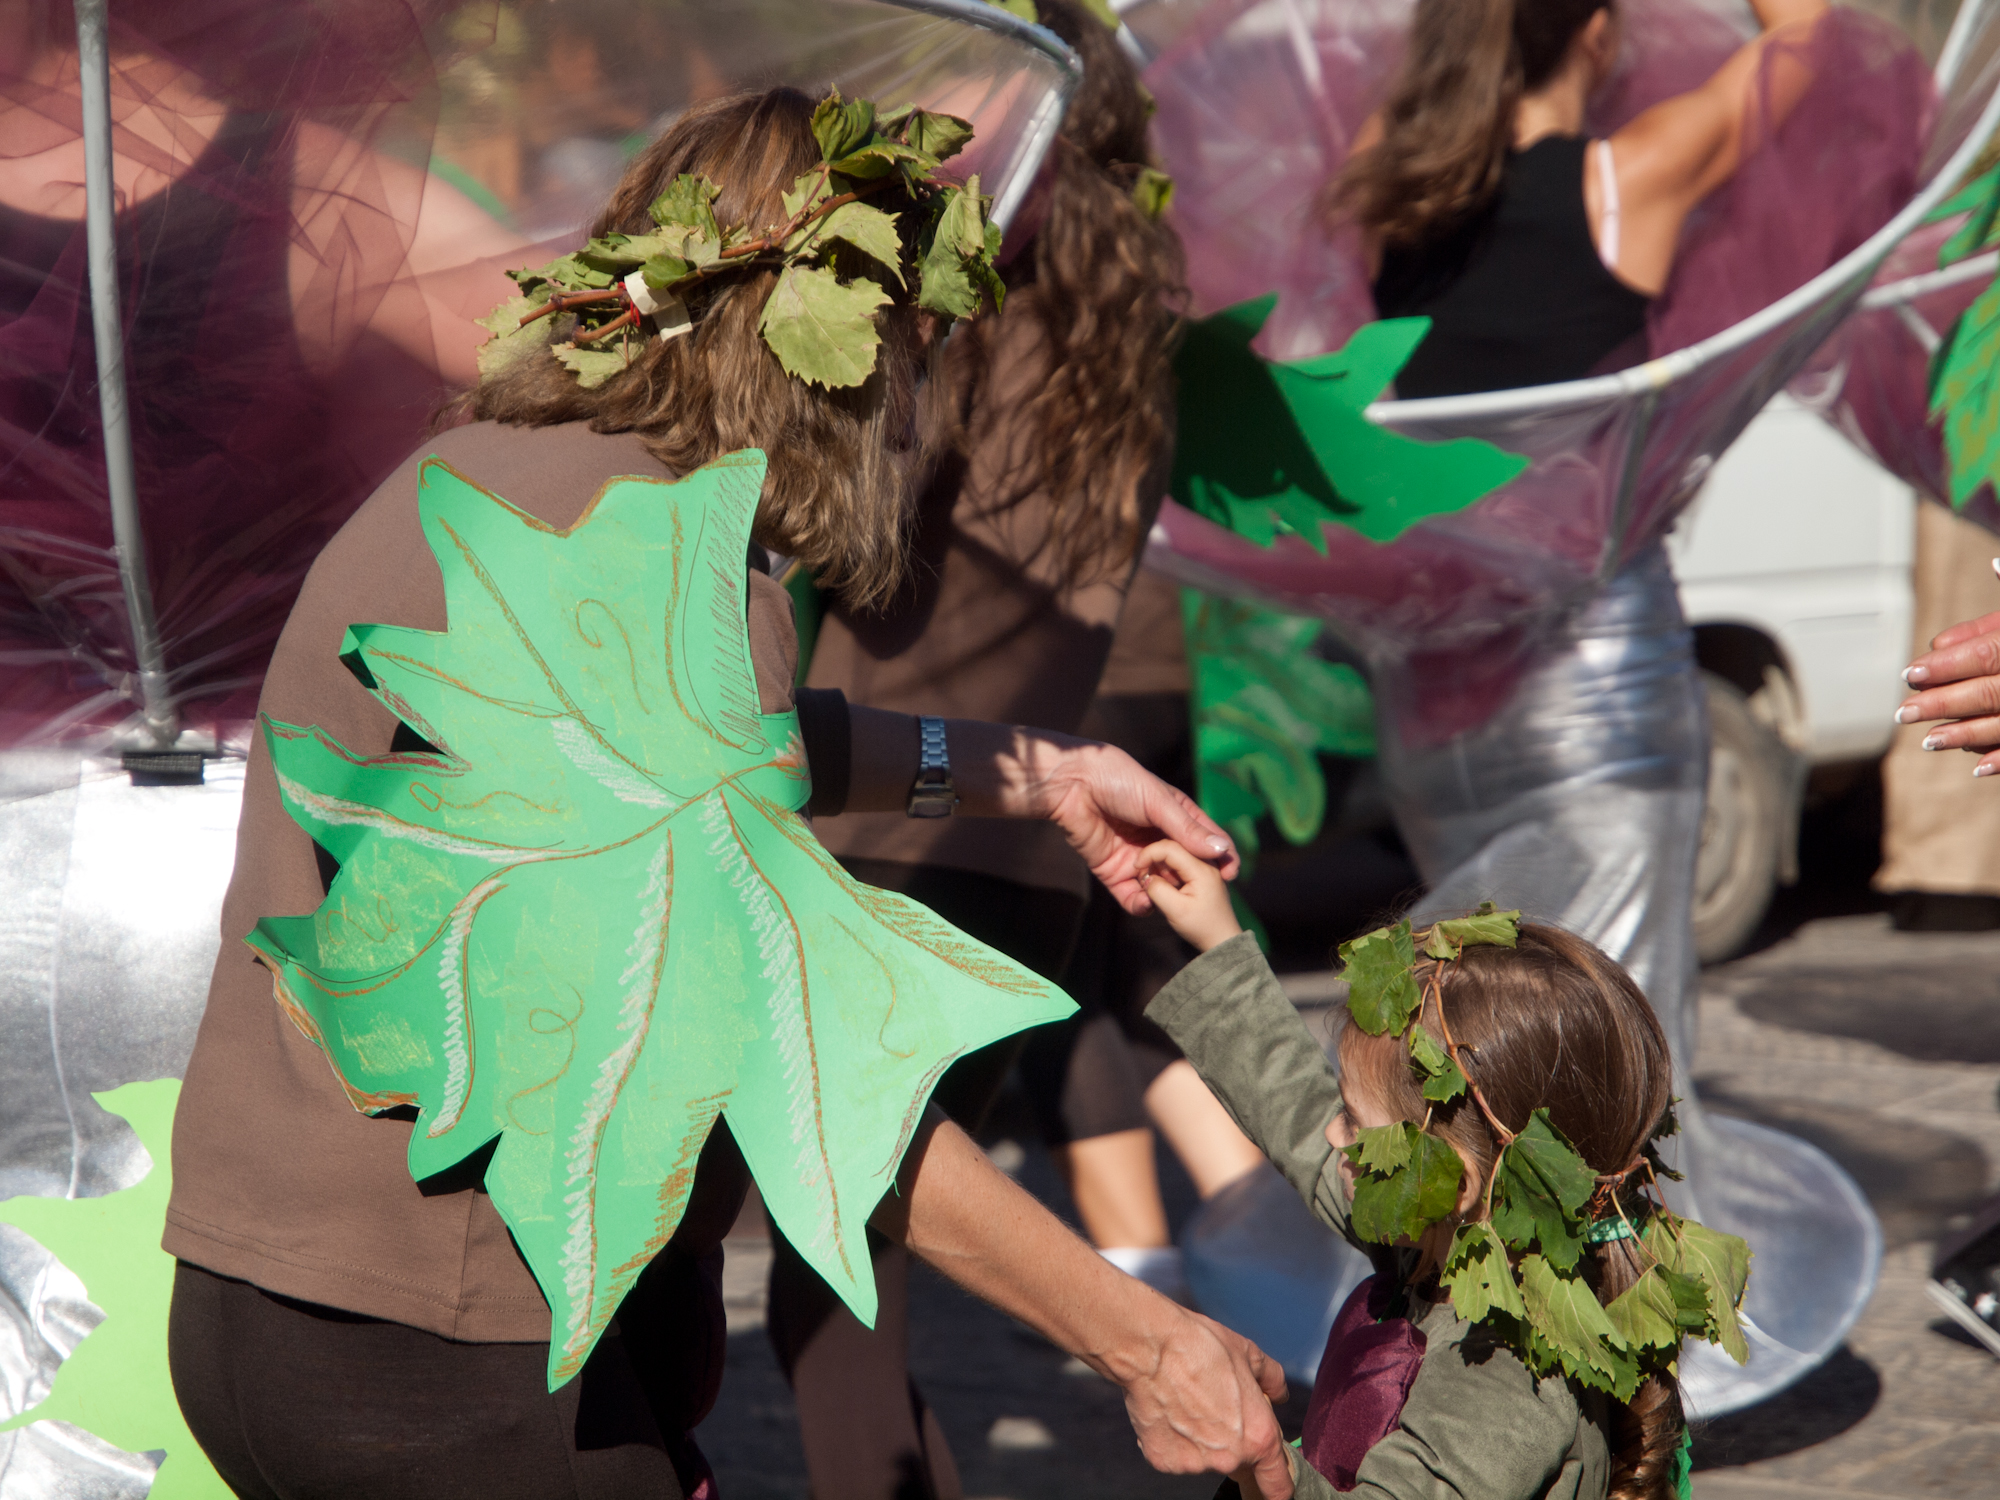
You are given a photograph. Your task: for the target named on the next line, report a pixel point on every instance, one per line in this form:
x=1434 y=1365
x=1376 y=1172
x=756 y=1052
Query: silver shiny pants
x=1580 y=802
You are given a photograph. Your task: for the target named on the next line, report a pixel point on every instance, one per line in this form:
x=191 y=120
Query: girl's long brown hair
x=835 y=494
x=1101 y=284
x=1553 y=1024
x=1449 y=121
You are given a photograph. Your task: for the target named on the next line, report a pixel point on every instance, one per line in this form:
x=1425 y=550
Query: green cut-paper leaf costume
x=1965 y=367
x=593 y=921
x=116 y=1383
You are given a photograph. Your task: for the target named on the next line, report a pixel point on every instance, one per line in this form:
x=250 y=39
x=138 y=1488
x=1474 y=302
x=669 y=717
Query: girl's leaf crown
x=1518 y=1267
x=597 y=307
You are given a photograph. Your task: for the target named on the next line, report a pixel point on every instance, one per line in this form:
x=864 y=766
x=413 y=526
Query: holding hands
x=1189 y=893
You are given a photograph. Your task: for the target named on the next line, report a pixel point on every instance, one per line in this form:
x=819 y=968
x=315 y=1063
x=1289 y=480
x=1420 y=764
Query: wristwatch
x=932 y=794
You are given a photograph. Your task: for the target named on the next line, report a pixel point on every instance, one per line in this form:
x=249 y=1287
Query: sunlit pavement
x=1883 y=1048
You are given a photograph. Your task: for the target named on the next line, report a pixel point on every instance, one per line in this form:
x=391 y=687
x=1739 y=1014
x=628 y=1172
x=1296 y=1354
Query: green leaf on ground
x=1381 y=991
x=1442 y=1079
x=1401 y=1205
x=1479 y=1276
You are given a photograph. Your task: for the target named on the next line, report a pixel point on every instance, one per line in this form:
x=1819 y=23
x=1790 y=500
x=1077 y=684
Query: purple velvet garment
x=1365 y=1376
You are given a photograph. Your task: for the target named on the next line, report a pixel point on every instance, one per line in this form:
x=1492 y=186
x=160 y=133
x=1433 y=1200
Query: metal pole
x=94 y=70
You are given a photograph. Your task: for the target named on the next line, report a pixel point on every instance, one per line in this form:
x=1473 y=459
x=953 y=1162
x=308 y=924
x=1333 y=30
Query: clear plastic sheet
x=317 y=197
x=299 y=296
x=1258 y=99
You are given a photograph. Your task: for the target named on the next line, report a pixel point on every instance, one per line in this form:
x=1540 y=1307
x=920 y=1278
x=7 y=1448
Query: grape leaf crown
x=1517 y=1265
x=596 y=308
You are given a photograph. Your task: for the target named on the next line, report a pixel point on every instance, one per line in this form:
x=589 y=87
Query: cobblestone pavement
x=1883 y=1048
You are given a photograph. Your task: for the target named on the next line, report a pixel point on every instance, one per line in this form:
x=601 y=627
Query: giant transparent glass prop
x=292 y=313
x=1546 y=604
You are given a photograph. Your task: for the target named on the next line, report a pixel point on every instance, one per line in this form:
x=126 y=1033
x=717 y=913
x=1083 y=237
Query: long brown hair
x=1101 y=284
x=1449 y=121
x=835 y=495
x=1552 y=1024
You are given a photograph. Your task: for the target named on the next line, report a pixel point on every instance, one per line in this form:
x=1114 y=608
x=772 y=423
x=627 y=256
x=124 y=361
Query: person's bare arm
x=1199 y=1396
x=1684 y=148
x=1109 y=806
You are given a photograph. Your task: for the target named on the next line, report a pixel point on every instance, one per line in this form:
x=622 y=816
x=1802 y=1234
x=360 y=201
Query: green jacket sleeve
x=1227 y=1013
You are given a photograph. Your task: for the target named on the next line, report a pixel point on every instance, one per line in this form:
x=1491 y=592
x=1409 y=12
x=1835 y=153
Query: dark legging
x=294 y=1401
x=866 y=1431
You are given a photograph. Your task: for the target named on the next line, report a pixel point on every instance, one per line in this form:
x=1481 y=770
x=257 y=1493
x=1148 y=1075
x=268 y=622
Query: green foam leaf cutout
x=1266 y=448
x=592 y=922
x=116 y=1383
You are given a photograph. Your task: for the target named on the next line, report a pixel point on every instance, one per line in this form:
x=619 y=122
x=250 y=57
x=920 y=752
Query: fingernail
x=1934 y=742
x=1996 y=565
x=1219 y=845
x=1916 y=674
x=1982 y=769
x=1907 y=714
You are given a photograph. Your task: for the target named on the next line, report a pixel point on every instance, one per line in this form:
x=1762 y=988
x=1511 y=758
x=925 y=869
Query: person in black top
x=1534 y=250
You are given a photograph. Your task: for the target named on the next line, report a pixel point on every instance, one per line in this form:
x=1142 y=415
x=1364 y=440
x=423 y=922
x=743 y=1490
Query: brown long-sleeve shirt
x=278 y=1180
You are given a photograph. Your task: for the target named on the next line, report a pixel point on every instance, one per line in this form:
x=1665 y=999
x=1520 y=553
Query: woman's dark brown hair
x=1449 y=121
x=835 y=496
x=1099 y=288
x=1552 y=1024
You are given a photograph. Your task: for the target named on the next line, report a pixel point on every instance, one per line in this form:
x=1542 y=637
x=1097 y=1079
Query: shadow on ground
x=1826 y=1403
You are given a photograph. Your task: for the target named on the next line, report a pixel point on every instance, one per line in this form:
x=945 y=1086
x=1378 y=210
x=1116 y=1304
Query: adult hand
x=1199 y=1396
x=1958 y=680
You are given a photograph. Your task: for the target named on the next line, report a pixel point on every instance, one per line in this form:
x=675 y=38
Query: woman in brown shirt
x=1058 y=417
x=341 y=1330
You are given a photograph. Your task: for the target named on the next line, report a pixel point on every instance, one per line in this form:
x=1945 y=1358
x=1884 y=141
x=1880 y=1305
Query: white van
x=1795 y=571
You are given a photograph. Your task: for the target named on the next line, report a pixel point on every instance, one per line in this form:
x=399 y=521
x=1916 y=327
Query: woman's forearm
x=1199 y=1396
x=1771 y=14
x=996 y=767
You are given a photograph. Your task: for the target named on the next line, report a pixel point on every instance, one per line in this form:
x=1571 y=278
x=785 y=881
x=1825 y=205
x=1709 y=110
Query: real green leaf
x=1442 y=1079
x=1409 y=1200
x=1538 y=1192
x=511 y=341
x=881 y=157
x=1383 y=1149
x=663 y=271
x=1690 y=1294
x=868 y=229
x=823 y=331
x=593 y=364
x=1645 y=1313
x=689 y=202
x=1381 y=991
x=1479 y=1275
x=1566 y=1312
x=841 y=127
x=939 y=136
x=1153 y=192
x=1721 y=1262
x=1501 y=929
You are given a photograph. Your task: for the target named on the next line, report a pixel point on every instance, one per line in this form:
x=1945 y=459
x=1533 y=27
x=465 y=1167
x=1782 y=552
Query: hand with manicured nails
x=1189 y=893
x=1958 y=680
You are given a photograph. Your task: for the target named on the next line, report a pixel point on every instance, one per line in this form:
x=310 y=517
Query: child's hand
x=1189 y=893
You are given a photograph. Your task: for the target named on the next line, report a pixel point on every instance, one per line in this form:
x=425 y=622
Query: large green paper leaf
x=1964 y=390
x=592 y=921
x=1265 y=447
x=116 y=1384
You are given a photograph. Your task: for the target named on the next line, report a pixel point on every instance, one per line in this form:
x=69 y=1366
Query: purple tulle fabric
x=1371 y=1361
x=1258 y=100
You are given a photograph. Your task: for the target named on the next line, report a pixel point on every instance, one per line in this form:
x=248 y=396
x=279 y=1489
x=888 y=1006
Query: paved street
x=1883 y=1048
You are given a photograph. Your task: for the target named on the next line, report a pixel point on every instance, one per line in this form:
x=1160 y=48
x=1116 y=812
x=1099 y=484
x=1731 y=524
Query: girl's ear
x=1470 y=1187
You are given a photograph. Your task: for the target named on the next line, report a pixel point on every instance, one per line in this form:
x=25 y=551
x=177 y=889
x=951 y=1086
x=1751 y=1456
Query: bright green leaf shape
x=1442 y=1079
x=1566 y=1313
x=820 y=330
x=1965 y=392
x=1479 y=1276
x=1383 y=1148
x=592 y=921
x=1416 y=1195
x=116 y=1384
x=1265 y=448
x=1381 y=991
